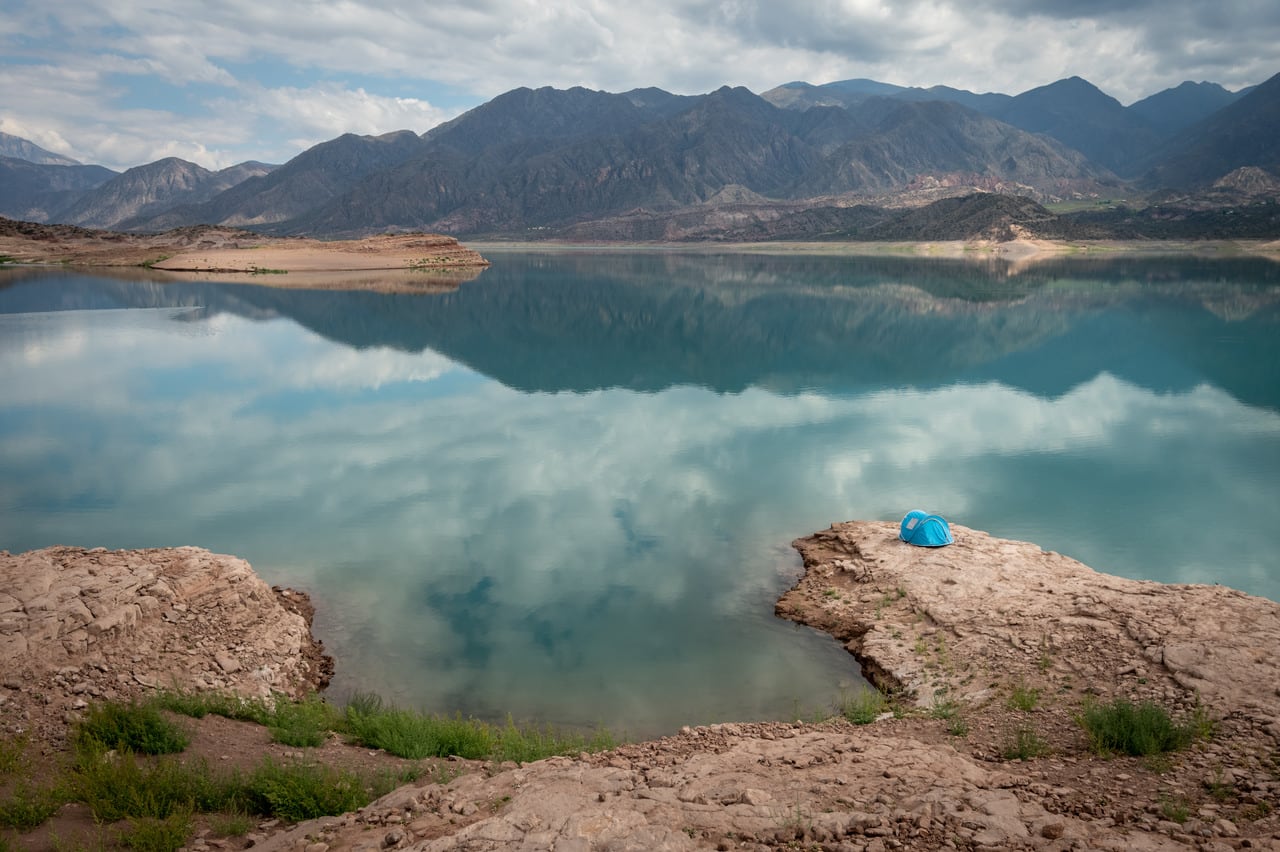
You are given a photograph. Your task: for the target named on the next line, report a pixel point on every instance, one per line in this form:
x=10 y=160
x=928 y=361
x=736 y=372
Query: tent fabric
x=925 y=530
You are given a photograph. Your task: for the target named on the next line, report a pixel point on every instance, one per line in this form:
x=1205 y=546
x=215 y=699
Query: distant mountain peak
x=23 y=149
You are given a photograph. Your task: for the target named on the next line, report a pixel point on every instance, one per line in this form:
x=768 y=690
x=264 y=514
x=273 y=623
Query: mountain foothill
x=849 y=160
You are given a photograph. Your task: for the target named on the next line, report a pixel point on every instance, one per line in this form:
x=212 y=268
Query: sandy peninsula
x=393 y=262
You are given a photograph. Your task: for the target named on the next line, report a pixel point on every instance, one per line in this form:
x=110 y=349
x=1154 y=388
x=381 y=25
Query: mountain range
x=842 y=159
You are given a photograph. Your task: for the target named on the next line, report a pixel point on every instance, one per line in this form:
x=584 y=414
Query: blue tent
x=925 y=530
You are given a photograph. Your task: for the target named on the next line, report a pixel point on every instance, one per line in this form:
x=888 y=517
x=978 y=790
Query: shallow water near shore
x=566 y=491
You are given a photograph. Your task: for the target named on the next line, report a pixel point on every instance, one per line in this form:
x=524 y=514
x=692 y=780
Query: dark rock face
x=1245 y=133
x=152 y=189
x=39 y=192
x=647 y=164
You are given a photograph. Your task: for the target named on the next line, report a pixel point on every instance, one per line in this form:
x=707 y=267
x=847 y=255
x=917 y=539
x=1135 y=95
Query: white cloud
x=244 y=79
x=327 y=110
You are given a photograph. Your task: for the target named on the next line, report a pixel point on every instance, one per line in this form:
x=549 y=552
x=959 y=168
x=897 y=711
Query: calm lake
x=567 y=490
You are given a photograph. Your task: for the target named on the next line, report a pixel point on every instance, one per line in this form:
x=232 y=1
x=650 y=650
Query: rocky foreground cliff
x=987 y=647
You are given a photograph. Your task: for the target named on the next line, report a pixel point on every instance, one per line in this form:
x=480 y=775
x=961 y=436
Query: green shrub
x=1123 y=727
x=302 y=723
x=405 y=733
x=1175 y=810
x=411 y=735
x=234 y=823
x=13 y=754
x=1025 y=745
x=1023 y=697
x=293 y=723
x=139 y=728
x=201 y=704
x=949 y=712
x=530 y=743
x=298 y=792
x=119 y=786
x=864 y=707
x=158 y=835
x=26 y=807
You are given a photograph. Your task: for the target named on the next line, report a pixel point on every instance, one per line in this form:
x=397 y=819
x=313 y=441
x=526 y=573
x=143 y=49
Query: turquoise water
x=567 y=490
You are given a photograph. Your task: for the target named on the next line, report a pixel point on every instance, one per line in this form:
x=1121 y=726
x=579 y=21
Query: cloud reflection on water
x=603 y=556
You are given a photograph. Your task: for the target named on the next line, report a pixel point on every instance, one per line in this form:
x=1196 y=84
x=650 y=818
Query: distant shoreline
x=1016 y=250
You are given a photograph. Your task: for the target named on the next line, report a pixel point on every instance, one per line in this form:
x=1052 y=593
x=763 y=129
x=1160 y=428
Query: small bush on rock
x=1122 y=727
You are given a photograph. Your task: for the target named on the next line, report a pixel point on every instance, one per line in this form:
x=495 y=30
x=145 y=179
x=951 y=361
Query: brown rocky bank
x=961 y=627
x=78 y=625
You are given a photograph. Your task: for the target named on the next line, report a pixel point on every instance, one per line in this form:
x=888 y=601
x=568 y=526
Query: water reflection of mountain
x=649 y=320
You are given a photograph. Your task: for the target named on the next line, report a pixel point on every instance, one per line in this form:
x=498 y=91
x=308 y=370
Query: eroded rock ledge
x=951 y=620
x=80 y=624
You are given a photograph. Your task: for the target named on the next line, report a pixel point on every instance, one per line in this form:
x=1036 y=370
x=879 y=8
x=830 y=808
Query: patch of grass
x=864 y=707
x=303 y=723
x=298 y=792
x=940 y=647
x=1025 y=745
x=122 y=786
x=415 y=735
x=529 y=743
x=1023 y=697
x=1122 y=727
x=197 y=705
x=13 y=754
x=412 y=735
x=262 y=270
x=150 y=263
x=157 y=835
x=26 y=806
x=949 y=712
x=1221 y=789
x=140 y=728
x=1175 y=810
x=117 y=786
x=1259 y=810
x=234 y=823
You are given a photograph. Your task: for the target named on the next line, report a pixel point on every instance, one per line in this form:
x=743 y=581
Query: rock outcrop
x=80 y=624
x=948 y=620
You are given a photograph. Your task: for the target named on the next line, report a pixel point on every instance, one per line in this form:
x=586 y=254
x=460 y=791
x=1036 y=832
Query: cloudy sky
x=125 y=82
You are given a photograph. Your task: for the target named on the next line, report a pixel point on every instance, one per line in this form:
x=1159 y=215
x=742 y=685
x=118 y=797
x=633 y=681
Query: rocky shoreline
x=78 y=625
x=966 y=627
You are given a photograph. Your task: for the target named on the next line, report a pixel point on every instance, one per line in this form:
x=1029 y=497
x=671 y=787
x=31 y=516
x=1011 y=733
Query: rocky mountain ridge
x=534 y=163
